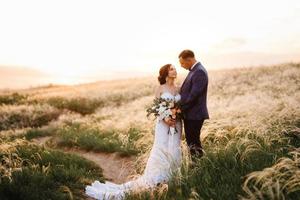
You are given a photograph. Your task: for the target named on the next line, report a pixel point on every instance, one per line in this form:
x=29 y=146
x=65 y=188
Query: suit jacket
x=194 y=94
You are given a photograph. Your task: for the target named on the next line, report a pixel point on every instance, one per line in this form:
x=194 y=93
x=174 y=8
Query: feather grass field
x=251 y=142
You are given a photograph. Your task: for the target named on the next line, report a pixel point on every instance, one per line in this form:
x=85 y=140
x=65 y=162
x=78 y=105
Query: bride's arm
x=157 y=92
x=178 y=88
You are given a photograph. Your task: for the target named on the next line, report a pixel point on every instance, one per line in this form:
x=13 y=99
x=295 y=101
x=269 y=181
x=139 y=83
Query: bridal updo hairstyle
x=163 y=73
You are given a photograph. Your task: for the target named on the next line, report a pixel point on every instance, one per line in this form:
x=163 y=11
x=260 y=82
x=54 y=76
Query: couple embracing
x=165 y=155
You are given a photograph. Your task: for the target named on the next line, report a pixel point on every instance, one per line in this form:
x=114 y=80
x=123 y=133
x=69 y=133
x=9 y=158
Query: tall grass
x=76 y=103
x=85 y=105
x=22 y=116
x=95 y=139
x=251 y=141
x=40 y=132
x=280 y=181
x=32 y=172
x=80 y=105
x=227 y=170
x=12 y=99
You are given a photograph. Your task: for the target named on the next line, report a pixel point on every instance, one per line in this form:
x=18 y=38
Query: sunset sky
x=82 y=41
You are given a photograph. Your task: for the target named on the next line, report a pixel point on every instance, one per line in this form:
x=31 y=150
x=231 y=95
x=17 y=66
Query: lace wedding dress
x=164 y=160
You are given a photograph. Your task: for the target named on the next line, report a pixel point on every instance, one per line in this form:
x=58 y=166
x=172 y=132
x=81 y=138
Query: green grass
x=17 y=117
x=39 y=132
x=252 y=146
x=86 y=106
x=80 y=105
x=280 y=181
x=12 y=99
x=86 y=137
x=28 y=133
x=94 y=139
x=48 y=174
x=230 y=158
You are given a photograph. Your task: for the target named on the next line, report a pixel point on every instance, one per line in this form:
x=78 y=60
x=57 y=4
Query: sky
x=81 y=41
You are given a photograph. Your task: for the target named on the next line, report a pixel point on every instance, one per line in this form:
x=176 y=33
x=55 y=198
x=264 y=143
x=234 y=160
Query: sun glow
x=103 y=38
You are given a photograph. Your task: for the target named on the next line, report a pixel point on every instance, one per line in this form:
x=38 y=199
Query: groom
x=193 y=98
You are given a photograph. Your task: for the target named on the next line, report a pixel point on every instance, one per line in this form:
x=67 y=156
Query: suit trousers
x=192 y=129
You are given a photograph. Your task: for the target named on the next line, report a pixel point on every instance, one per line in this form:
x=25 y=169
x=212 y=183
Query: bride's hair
x=163 y=73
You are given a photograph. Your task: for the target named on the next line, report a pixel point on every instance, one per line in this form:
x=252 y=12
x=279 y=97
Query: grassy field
x=251 y=142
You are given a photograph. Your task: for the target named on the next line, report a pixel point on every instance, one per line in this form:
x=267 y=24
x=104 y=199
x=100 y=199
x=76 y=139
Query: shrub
x=12 y=99
x=14 y=117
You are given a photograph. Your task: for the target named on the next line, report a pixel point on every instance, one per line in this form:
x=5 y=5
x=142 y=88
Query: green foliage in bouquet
x=165 y=108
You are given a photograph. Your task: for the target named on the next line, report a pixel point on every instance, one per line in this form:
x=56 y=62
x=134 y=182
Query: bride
x=165 y=155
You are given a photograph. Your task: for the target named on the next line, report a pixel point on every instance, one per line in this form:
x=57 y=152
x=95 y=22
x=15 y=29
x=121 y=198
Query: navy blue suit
x=194 y=107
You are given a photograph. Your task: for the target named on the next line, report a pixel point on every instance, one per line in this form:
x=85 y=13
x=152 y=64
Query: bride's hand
x=170 y=121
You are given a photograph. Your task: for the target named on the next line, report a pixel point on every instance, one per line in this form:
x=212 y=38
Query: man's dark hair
x=186 y=54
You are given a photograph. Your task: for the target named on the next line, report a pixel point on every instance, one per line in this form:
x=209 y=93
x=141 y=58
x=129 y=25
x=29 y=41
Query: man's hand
x=170 y=121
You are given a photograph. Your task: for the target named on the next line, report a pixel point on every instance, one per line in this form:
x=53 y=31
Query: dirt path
x=115 y=168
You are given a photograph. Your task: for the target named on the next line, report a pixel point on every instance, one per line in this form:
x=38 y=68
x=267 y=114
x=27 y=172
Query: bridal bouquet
x=165 y=108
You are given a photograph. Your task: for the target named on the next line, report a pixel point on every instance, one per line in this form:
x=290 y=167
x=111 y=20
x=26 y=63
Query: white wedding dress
x=164 y=160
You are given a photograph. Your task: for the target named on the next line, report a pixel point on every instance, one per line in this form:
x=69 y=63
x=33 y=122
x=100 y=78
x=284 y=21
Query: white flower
x=161 y=110
x=168 y=112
